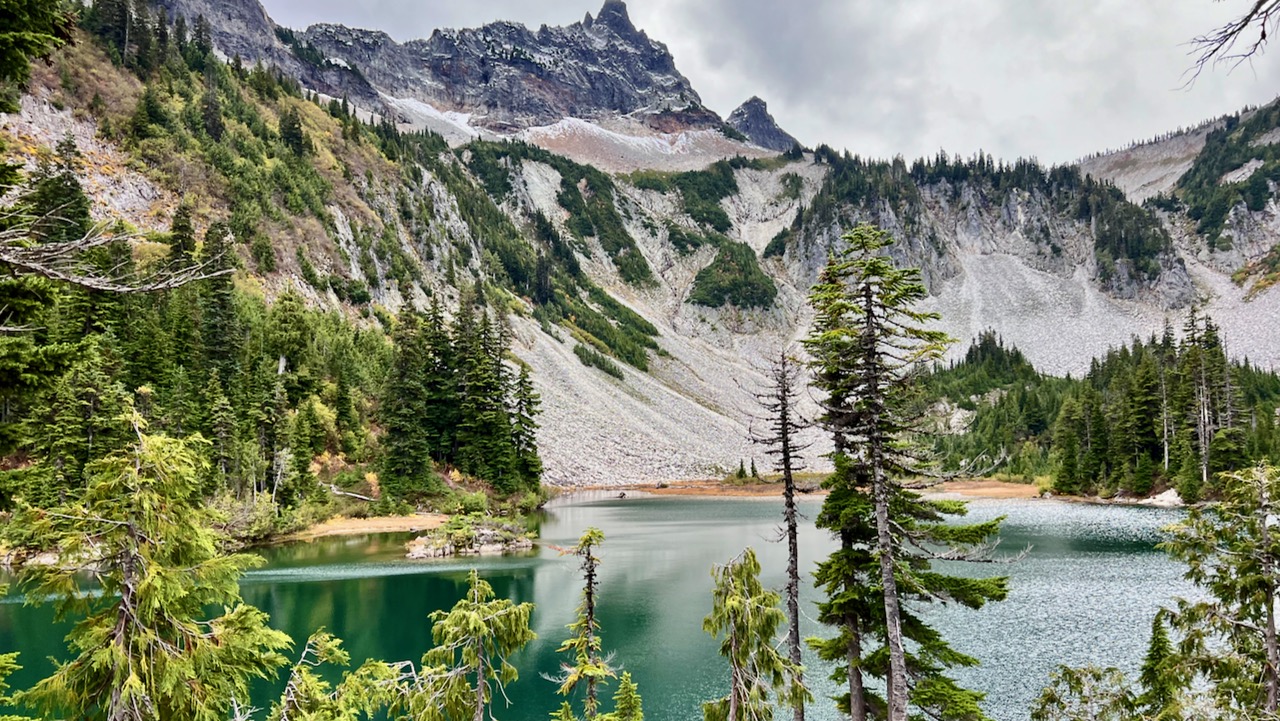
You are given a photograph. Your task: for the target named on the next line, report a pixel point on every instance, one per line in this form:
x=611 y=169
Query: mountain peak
x=753 y=120
x=615 y=15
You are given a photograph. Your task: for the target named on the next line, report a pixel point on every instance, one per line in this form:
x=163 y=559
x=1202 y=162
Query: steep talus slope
x=1148 y=169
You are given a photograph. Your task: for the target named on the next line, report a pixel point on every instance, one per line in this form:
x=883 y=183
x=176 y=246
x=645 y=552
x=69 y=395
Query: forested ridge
x=291 y=401
x=1170 y=411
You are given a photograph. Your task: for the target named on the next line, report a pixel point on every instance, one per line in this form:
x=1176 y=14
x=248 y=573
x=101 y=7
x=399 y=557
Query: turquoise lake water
x=1085 y=593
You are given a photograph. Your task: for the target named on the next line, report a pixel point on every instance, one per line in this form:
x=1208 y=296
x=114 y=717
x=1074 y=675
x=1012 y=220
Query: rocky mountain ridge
x=509 y=77
x=1060 y=267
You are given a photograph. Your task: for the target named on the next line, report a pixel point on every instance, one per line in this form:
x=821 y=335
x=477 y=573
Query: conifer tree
x=1160 y=679
x=1085 y=694
x=784 y=423
x=589 y=668
x=145 y=647
x=33 y=29
x=441 y=389
x=627 y=705
x=867 y=344
x=211 y=114
x=55 y=198
x=473 y=642
x=220 y=327
x=748 y=617
x=485 y=447
x=182 y=234
x=525 y=402
x=406 y=466
x=292 y=134
x=309 y=696
x=1232 y=552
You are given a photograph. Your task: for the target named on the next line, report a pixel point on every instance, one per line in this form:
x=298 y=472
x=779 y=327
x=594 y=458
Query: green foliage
x=310 y=696
x=585 y=192
x=449 y=398
x=734 y=278
x=1230 y=551
x=626 y=701
x=702 y=191
x=748 y=617
x=589 y=668
x=1132 y=424
x=592 y=358
x=778 y=245
x=867 y=345
x=1227 y=148
x=686 y=241
x=1085 y=694
x=145 y=646
x=474 y=640
x=33 y=29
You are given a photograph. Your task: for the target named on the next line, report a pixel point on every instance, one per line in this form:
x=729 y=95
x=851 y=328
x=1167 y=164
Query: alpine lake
x=1085 y=592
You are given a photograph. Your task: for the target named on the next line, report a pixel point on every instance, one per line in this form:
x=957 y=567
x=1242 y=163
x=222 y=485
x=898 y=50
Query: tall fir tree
x=867 y=345
x=407 y=470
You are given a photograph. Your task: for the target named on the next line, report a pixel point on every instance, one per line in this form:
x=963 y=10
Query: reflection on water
x=1084 y=594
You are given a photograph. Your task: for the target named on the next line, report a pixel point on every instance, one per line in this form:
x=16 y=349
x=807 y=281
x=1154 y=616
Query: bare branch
x=1220 y=45
x=65 y=261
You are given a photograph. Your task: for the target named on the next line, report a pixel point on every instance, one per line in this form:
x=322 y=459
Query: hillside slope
x=648 y=263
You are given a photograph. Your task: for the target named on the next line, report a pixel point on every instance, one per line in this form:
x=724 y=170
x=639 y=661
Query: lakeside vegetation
x=1165 y=412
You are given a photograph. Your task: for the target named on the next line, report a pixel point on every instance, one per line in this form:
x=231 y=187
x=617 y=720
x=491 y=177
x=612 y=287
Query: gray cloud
x=1012 y=77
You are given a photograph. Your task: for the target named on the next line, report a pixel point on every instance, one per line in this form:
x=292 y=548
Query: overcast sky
x=1053 y=79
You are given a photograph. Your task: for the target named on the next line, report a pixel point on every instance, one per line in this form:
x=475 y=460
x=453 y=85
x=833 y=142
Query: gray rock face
x=510 y=77
x=242 y=28
x=753 y=120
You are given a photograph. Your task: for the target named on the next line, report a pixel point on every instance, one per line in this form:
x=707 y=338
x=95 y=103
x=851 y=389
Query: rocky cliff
x=753 y=120
x=509 y=77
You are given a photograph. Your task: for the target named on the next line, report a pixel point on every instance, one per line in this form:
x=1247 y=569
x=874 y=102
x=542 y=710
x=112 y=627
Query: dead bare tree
x=783 y=423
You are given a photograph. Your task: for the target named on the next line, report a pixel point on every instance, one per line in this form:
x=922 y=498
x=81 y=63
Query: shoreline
x=718 y=489
x=347 y=526
x=973 y=489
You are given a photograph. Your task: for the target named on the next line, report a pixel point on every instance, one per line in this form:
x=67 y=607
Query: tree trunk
x=857 y=694
x=1270 y=674
x=589 y=608
x=897 y=680
x=1164 y=416
x=734 y=682
x=793 y=543
x=877 y=458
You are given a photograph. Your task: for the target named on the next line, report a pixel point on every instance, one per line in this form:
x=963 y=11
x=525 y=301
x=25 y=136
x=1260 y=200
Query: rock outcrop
x=242 y=28
x=510 y=77
x=753 y=120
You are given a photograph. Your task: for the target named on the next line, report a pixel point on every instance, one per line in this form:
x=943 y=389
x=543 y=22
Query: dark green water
x=1085 y=594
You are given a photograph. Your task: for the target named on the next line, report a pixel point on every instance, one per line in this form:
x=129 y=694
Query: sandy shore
x=343 y=526
x=984 y=488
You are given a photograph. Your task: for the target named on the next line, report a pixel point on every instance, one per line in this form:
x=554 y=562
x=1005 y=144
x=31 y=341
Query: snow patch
x=634 y=146
x=454 y=126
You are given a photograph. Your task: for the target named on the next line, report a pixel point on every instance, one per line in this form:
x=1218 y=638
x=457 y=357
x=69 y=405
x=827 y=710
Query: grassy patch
x=733 y=278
